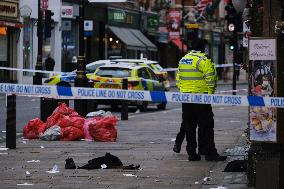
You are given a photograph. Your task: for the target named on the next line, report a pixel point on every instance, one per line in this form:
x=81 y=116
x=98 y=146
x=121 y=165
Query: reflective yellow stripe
x=210 y=74
x=191 y=78
x=188 y=70
x=195 y=55
x=211 y=82
x=199 y=61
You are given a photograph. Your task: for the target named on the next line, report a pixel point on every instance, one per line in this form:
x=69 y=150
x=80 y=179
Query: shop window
x=3 y=31
x=70 y=44
x=28 y=46
x=114 y=46
x=3 y=48
x=215 y=54
x=3 y=56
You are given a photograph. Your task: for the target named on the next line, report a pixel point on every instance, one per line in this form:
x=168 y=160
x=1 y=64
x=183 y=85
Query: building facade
x=10 y=28
x=28 y=43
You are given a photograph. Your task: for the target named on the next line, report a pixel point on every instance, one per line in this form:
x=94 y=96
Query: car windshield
x=157 y=67
x=114 y=72
x=91 y=68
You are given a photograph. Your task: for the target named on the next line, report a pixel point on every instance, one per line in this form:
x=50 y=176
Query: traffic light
x=233 y=42
x=231 y=17
x=48 y=23
x=231 y=47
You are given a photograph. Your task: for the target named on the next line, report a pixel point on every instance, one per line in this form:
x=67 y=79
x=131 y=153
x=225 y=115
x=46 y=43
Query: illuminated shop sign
x=120 y=16
x=8 y=9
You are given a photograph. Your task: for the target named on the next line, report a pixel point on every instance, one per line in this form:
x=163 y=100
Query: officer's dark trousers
x=181 y=135
x=200 y=115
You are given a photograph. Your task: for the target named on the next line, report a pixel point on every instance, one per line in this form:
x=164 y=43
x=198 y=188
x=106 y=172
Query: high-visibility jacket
x=196 y=74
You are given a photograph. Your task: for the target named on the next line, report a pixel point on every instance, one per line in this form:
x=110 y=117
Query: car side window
x=142 y=72
x=152 y=74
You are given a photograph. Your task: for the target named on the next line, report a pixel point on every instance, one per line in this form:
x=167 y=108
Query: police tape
x=33 y=71
x=60 y=92
x=230 y=91
x=217 y=66
x=56 y=72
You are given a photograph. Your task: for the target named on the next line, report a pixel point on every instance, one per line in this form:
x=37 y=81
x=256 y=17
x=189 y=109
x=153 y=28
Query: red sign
x=174 y=23
x=11 y=24
x=44 y=4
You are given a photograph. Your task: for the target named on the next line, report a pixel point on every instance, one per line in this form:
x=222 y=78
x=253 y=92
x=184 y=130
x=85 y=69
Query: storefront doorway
x=8 y=53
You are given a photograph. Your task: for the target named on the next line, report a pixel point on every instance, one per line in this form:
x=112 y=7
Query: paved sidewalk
x=229 y=180
x=146 y=142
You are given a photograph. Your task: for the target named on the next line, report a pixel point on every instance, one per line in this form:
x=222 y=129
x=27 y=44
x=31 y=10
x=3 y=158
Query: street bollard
x=11 y=122
x=124 y=103
x=80 y=105
x=48 y=105
x=90 y=102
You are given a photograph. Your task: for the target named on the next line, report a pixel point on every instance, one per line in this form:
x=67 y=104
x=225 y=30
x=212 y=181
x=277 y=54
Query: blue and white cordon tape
x=57 y=72
x=216 y=65
x=156 y=96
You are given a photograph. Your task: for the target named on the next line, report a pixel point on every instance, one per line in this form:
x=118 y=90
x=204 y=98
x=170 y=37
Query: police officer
x=197 y=74
x=49 y=63
x=180 y=137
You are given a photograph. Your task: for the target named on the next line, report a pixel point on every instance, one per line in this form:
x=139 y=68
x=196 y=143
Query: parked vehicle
x=68 y=79
x=154 y=65
x=140 y=77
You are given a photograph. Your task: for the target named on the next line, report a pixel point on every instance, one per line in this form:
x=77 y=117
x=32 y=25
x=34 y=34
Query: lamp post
x=81 y=80
x=182 y=27
x=37 y=78
x=233 y=27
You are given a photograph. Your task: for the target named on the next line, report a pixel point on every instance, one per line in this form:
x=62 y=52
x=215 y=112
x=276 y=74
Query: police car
x=154 y=65
x=140 y=77
x=68 y=79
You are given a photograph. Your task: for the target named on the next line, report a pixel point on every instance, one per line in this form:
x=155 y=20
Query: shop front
x=9 y=34
x=70 y=42
x=124 y=38
x=217 y=51
x=207 y=36
x=150 y=27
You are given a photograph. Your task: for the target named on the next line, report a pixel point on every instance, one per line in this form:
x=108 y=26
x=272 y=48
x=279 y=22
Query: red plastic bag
x=58 y=117
x=52 y=120
x=71 y=133
x=87 y=123
x=62 y=108
x=104 y=129
x=67 y=121
x=34 y=128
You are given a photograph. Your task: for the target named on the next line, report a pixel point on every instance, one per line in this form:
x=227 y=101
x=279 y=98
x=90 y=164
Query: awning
x=178 y=43
x=128 y=38
x=11 y=24
x=150 y=46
